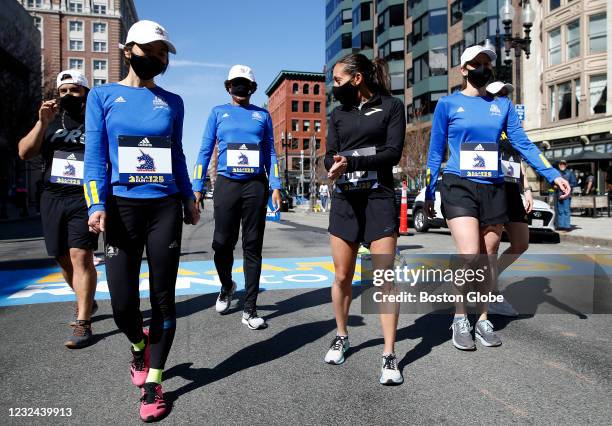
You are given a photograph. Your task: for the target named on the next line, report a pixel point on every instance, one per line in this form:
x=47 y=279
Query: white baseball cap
x=241 y=71
x=495 y=87
x=473 y=51
x=143 y=32
x=72 y=77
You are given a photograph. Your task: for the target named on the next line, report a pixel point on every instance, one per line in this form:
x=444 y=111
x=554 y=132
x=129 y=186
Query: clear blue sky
x=211 y=35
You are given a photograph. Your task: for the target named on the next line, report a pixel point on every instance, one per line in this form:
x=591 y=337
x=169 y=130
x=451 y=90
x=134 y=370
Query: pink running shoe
x=139 y=367
x=152 y=404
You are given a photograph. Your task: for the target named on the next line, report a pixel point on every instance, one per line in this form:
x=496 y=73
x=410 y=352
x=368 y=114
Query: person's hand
x=97 y=222
x=429 y=208
x=199 y=201
x=47 y=112
x=277 y=200
x=338 y=168
x=191 y=214
x=528 y=201
x=564 y=187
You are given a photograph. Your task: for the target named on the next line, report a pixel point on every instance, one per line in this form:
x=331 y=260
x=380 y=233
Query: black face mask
x=240 y=90
x=147 y=67
x=73 y=105
x=479 y=76
x=347 y=94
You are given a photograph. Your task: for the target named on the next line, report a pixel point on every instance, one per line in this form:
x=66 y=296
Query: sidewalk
x=593 y=231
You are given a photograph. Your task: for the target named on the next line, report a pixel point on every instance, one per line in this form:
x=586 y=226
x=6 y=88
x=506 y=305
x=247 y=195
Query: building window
x=392 y=50
x=438 y=61
x=554 y=47
x=455 y=11
x=564 y=100
x=476 y=34
x=317 y=125
x=318 y=144
x=296 y=89
x=295 y=143
x=409 y=78
x=366 y=40
x=99 y=9
x=317 y=107
x=76 y=45
x=456 y=50
x=99 y=46
x=306 y=89
x=76 y=64
x=306 y=125
x=76 y=26
x=597 y=33
x=346 y=40
x=426 y=103
x=577 y=97
x=99 y=81
x=294 y=106
x=305 y=145
x=365 y=11
x=347 y=16
x=553 y=4
x=99 y=65
x=34 y=3
x=573 y=39
x=295 y=125
x=431 y=23
x=598 y=92
x=305 y=106
x=315 y=89
x=75 y=6
x=99 y=27
x=396 y=15
x=397 y=83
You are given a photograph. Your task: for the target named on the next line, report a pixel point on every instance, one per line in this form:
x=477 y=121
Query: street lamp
x=285 y=144
x=519 y=44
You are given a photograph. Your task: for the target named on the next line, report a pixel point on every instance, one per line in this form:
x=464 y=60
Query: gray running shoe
x=81 y=336
x=462 y=334
x=486 y=335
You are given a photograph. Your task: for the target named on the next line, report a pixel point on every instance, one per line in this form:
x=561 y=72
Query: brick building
x=81 y=34
x=297 y=107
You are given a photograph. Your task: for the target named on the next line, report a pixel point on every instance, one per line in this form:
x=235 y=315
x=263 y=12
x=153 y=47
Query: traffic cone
x=403 y=230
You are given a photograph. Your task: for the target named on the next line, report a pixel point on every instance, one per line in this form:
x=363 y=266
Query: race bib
x=145 y=159
x=243 y=158
x=358 y=180
x=67 y=168
x=479 y=159
x=511 y=169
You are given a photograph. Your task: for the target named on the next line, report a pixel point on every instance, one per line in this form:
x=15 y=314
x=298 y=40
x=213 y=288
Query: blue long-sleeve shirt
x=459 y=118
x=115 y=110
x=238 y=130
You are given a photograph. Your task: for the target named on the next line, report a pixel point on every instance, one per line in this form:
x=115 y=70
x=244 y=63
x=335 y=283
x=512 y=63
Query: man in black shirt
x=58 y=136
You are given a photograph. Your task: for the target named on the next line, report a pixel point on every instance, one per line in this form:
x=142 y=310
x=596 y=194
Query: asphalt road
x=551 y=369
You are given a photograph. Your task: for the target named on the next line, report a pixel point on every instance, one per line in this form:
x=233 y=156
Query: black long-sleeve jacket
x=381 y=122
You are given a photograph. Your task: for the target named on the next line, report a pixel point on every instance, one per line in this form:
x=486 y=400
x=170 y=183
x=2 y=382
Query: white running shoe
x=335 y=354
x=502 y=308
x=224 y=300
x=389 y=372
x=252 y=320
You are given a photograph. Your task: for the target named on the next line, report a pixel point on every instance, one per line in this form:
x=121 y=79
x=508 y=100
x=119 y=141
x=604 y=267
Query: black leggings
x=237 y=201
x=132 y=224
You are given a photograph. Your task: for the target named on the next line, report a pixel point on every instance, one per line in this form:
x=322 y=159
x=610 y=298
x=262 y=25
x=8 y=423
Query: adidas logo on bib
x=355 y=154
x=145 y=142
x=71 y=157
x=243 y=146
x=479 y=147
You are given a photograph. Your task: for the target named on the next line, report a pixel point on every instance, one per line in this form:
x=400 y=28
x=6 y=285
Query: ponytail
x=375 y=73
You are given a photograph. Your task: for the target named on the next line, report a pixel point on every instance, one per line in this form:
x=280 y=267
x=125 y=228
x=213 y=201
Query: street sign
x=520 y=110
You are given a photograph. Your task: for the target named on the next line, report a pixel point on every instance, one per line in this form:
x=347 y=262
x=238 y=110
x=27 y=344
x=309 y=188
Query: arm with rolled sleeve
x=332 y=143
x=391 y=153
x=271 y=162
x=437 y=147
x=526 y=148
x=209 y=139
x=96 y=175
x=179 y=164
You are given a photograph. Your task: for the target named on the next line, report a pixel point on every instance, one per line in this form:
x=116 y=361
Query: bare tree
x=414 y=157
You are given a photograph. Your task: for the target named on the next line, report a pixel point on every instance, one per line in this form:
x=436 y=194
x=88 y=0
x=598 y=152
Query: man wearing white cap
x=246 y=172
x=469 y=123
x=59 y=136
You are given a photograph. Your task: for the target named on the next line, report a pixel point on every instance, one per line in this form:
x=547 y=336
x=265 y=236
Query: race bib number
x=358 y=180
x=511 y=169
x=145 y=159
x=479 y=159
x=243 y=158
x=67 y=168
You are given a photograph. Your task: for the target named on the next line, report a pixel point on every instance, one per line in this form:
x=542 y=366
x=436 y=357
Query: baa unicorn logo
x=146 y=163
x=69 y=170
x=479 y=162
x=243 y=160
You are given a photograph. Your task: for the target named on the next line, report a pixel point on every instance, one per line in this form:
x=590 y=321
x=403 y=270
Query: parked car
x=541 y=218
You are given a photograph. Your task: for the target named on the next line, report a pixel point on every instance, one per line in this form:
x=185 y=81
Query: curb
x=580 y=239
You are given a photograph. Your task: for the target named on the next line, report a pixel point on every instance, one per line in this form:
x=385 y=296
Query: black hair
x=375 y=73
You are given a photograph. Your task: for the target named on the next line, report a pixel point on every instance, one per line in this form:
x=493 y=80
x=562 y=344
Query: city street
x=551 y=369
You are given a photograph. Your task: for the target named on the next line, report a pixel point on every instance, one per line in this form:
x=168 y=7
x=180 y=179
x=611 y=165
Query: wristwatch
x=527 y=188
